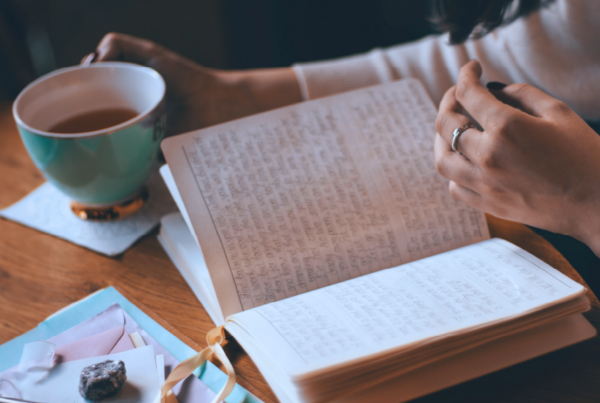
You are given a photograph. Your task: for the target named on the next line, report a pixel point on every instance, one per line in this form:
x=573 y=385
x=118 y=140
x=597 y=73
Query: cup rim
x=109 y=130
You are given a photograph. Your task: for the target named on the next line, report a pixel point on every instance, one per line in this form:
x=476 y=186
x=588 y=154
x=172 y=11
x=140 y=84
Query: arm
x=554 y=49
x=535 y=161
x=198 y=96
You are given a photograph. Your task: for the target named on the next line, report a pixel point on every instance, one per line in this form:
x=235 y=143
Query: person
x=530 y=157
x=535 y=161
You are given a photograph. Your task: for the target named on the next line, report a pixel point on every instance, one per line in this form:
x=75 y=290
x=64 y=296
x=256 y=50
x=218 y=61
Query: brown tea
x=92 y=121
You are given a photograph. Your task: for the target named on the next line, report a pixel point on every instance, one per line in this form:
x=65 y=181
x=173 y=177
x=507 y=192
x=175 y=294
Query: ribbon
x=214 y=338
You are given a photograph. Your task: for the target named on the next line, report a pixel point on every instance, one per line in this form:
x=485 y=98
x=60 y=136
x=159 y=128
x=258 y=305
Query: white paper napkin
x=47 y=209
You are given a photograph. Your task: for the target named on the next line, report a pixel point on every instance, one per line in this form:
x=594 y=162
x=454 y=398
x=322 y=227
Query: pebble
x=102 y=380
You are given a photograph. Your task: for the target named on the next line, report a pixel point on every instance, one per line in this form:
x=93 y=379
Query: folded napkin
x=47 y=209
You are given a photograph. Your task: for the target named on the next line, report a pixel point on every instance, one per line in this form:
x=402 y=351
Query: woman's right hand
x=535 y=161
x=198 y=96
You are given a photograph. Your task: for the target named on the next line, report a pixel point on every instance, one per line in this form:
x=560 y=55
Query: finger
x=453 y=166
x=465 y=195
x=88 y=59
x=480 y=103
x=529 y=99
x=449 y=118
x=126 y=48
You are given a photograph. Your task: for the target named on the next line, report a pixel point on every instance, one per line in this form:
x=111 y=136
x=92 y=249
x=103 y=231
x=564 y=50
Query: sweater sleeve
x=319 y=79
x=555 y=49
x=431 y=60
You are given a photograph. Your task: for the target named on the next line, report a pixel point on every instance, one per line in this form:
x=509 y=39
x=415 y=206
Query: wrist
x=591 y=233
x=266 y=89
x=586 y=226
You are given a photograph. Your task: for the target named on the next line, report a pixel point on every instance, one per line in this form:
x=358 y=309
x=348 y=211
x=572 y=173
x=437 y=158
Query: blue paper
x=10 y=352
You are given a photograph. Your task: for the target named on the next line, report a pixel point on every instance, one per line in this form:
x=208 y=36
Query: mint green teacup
x=103 y=167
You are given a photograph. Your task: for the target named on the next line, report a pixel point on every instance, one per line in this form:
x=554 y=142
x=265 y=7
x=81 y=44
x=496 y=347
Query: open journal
x=324 y=240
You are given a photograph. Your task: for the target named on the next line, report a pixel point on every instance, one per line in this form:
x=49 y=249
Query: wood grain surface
x=40 y=274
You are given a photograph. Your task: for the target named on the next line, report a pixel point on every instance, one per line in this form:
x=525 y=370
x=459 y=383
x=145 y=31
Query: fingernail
x=495 y=86
x=90 y=58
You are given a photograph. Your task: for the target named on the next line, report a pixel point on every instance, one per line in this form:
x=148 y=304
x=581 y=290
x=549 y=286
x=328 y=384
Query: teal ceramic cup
x=103 y=167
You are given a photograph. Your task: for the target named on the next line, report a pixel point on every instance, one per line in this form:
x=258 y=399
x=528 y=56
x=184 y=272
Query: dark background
x=38 y=36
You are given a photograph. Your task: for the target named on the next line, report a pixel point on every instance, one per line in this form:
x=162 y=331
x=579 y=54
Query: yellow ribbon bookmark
x=214 y=338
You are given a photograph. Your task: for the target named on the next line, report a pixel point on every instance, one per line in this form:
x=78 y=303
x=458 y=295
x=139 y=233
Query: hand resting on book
x=535 y=162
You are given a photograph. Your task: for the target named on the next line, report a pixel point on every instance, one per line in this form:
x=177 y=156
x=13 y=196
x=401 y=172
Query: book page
x=317 y=193
x=395 y=308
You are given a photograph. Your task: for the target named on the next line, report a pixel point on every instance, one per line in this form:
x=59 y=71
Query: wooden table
x=39 y=274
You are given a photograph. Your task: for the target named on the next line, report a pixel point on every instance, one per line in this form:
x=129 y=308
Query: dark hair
x=472 y=19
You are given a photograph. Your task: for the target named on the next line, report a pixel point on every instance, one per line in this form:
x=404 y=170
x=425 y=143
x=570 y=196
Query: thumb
x=527 y=98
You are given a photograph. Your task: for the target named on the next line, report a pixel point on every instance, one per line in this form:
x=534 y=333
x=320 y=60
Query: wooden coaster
x=111 y=213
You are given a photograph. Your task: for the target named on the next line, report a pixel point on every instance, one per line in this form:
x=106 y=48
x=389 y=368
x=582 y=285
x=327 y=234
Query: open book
x=323 y=238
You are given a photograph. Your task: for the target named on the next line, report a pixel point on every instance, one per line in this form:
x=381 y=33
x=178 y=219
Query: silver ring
x=456 y=134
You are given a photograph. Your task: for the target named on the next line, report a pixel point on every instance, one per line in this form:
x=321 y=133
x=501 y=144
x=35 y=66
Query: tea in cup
x=95 y=133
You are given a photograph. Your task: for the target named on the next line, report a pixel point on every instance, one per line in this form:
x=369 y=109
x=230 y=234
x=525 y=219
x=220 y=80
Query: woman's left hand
x=536 y=161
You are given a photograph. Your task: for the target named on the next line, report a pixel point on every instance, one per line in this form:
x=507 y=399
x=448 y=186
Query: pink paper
x=105 y=343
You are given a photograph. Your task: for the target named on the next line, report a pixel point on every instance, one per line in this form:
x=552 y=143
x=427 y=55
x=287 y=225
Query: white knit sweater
x=556 y=49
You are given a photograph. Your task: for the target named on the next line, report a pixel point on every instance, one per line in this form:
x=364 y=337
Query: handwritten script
x=329 y=192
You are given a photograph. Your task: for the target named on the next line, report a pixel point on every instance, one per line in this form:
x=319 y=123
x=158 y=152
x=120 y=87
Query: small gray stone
x=102 y=380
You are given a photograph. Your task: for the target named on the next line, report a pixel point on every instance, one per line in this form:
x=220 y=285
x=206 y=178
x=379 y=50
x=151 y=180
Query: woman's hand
x=198 y=96
x=535 y=162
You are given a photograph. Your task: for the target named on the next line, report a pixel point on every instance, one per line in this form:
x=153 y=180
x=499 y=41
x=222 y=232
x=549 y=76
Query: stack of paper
x=44 y=364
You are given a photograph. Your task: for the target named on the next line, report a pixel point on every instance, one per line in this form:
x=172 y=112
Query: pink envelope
x=110 y=342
